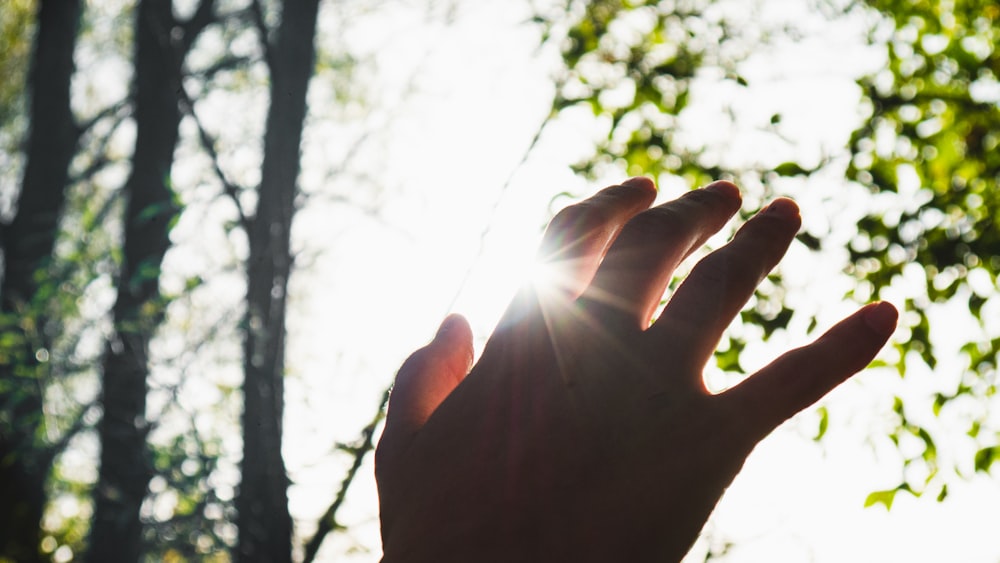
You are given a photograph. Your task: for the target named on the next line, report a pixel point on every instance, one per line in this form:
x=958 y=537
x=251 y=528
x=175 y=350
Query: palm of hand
x=584 y=433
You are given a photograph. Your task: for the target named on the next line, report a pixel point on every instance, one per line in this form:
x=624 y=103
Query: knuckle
x=716 y=269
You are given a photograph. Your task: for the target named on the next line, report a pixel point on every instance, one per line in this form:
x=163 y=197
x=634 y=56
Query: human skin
x=585 y=431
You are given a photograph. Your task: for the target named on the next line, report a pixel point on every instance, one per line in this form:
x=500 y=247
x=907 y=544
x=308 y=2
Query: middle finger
x=635 y=272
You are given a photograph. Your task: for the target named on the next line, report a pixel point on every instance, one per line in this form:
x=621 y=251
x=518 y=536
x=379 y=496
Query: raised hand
x=585 y=432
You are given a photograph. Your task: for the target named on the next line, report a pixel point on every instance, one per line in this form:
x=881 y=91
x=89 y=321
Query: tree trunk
x=27 y=244
x=125 y=470
x=262 y=503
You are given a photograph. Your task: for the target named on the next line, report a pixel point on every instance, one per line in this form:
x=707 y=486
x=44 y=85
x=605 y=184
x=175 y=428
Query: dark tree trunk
x=27 y=244
x=262 y=503
x=125 y=470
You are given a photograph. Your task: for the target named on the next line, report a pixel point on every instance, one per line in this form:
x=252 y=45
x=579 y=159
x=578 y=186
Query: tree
x=150 y=211
x=632 y=65
x=264 y=521
x=927 y=149
x=82 y=227
x=28 y=241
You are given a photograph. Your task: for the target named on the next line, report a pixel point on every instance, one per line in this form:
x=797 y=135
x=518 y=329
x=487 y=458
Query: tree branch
x=229 y=187
x=203 y=17
x=100 y=154
x=79 y=424
x=359 y=450
x=224 y=63
x=113 y=109
x=257 y=12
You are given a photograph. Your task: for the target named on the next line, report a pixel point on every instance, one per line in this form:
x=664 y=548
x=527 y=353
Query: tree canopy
x=155 y=121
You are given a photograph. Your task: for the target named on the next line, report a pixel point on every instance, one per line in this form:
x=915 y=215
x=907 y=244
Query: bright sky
x=455 y=107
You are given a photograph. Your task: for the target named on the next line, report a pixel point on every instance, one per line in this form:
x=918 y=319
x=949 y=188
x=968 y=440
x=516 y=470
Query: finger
x=801 y=377
x=576 y=238
x=721 y=283
x=425 y=379
x=634 y=274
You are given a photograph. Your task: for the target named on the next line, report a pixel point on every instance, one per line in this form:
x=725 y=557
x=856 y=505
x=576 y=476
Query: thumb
x=427 y=377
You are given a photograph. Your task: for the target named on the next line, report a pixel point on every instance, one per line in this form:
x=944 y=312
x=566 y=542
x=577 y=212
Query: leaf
x=811 y=242
x=939 y=401
x=824 y=423
x=985 y=458
x=930 y=450
x=790 y=169
x=888 y=497
x=943 y=494
x=881 y=497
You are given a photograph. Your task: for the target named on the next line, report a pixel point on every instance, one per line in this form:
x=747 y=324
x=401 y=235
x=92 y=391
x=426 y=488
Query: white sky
x=475 y=92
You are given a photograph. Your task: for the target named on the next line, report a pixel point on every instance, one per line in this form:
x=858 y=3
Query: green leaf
x=881 y=497
x=824 y=423
x=790 y=169
x=811 y=242
x=939 y=401
x=985 y=458
x=943 y=493
x=888 y=497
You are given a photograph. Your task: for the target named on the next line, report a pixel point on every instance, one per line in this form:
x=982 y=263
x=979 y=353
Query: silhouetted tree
x=28 y=242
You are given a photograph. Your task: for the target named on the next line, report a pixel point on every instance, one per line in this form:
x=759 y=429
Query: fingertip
x=881 y=317
x=455 y=334
x=641 y=182
x=453 y=324
x=802 y=376
x=783 y=208
x=726 y=188
x=428 y=376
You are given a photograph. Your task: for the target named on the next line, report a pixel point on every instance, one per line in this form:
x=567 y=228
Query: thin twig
x=257 y=11
x=365 y=444
x=59 y=445
x=208 y=144
x=490 y=222
x=202 y=18
x=114 y=108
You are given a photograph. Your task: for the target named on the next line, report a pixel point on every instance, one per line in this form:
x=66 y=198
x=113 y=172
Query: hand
x=585 y=433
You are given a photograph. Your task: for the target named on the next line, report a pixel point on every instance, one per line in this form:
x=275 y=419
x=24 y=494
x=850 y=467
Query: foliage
x=16 y=27
x=634 y=65
x=927 y=151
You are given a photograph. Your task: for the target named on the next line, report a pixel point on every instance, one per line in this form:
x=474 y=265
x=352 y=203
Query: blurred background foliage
x=924 y=153
x=925 y=150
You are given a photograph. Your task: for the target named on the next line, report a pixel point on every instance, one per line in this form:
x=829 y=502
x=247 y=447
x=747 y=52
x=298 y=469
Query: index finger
x=578 y=236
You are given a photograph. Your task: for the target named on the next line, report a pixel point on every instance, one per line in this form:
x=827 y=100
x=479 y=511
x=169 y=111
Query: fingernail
x=881 y=317
x=782 y=207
